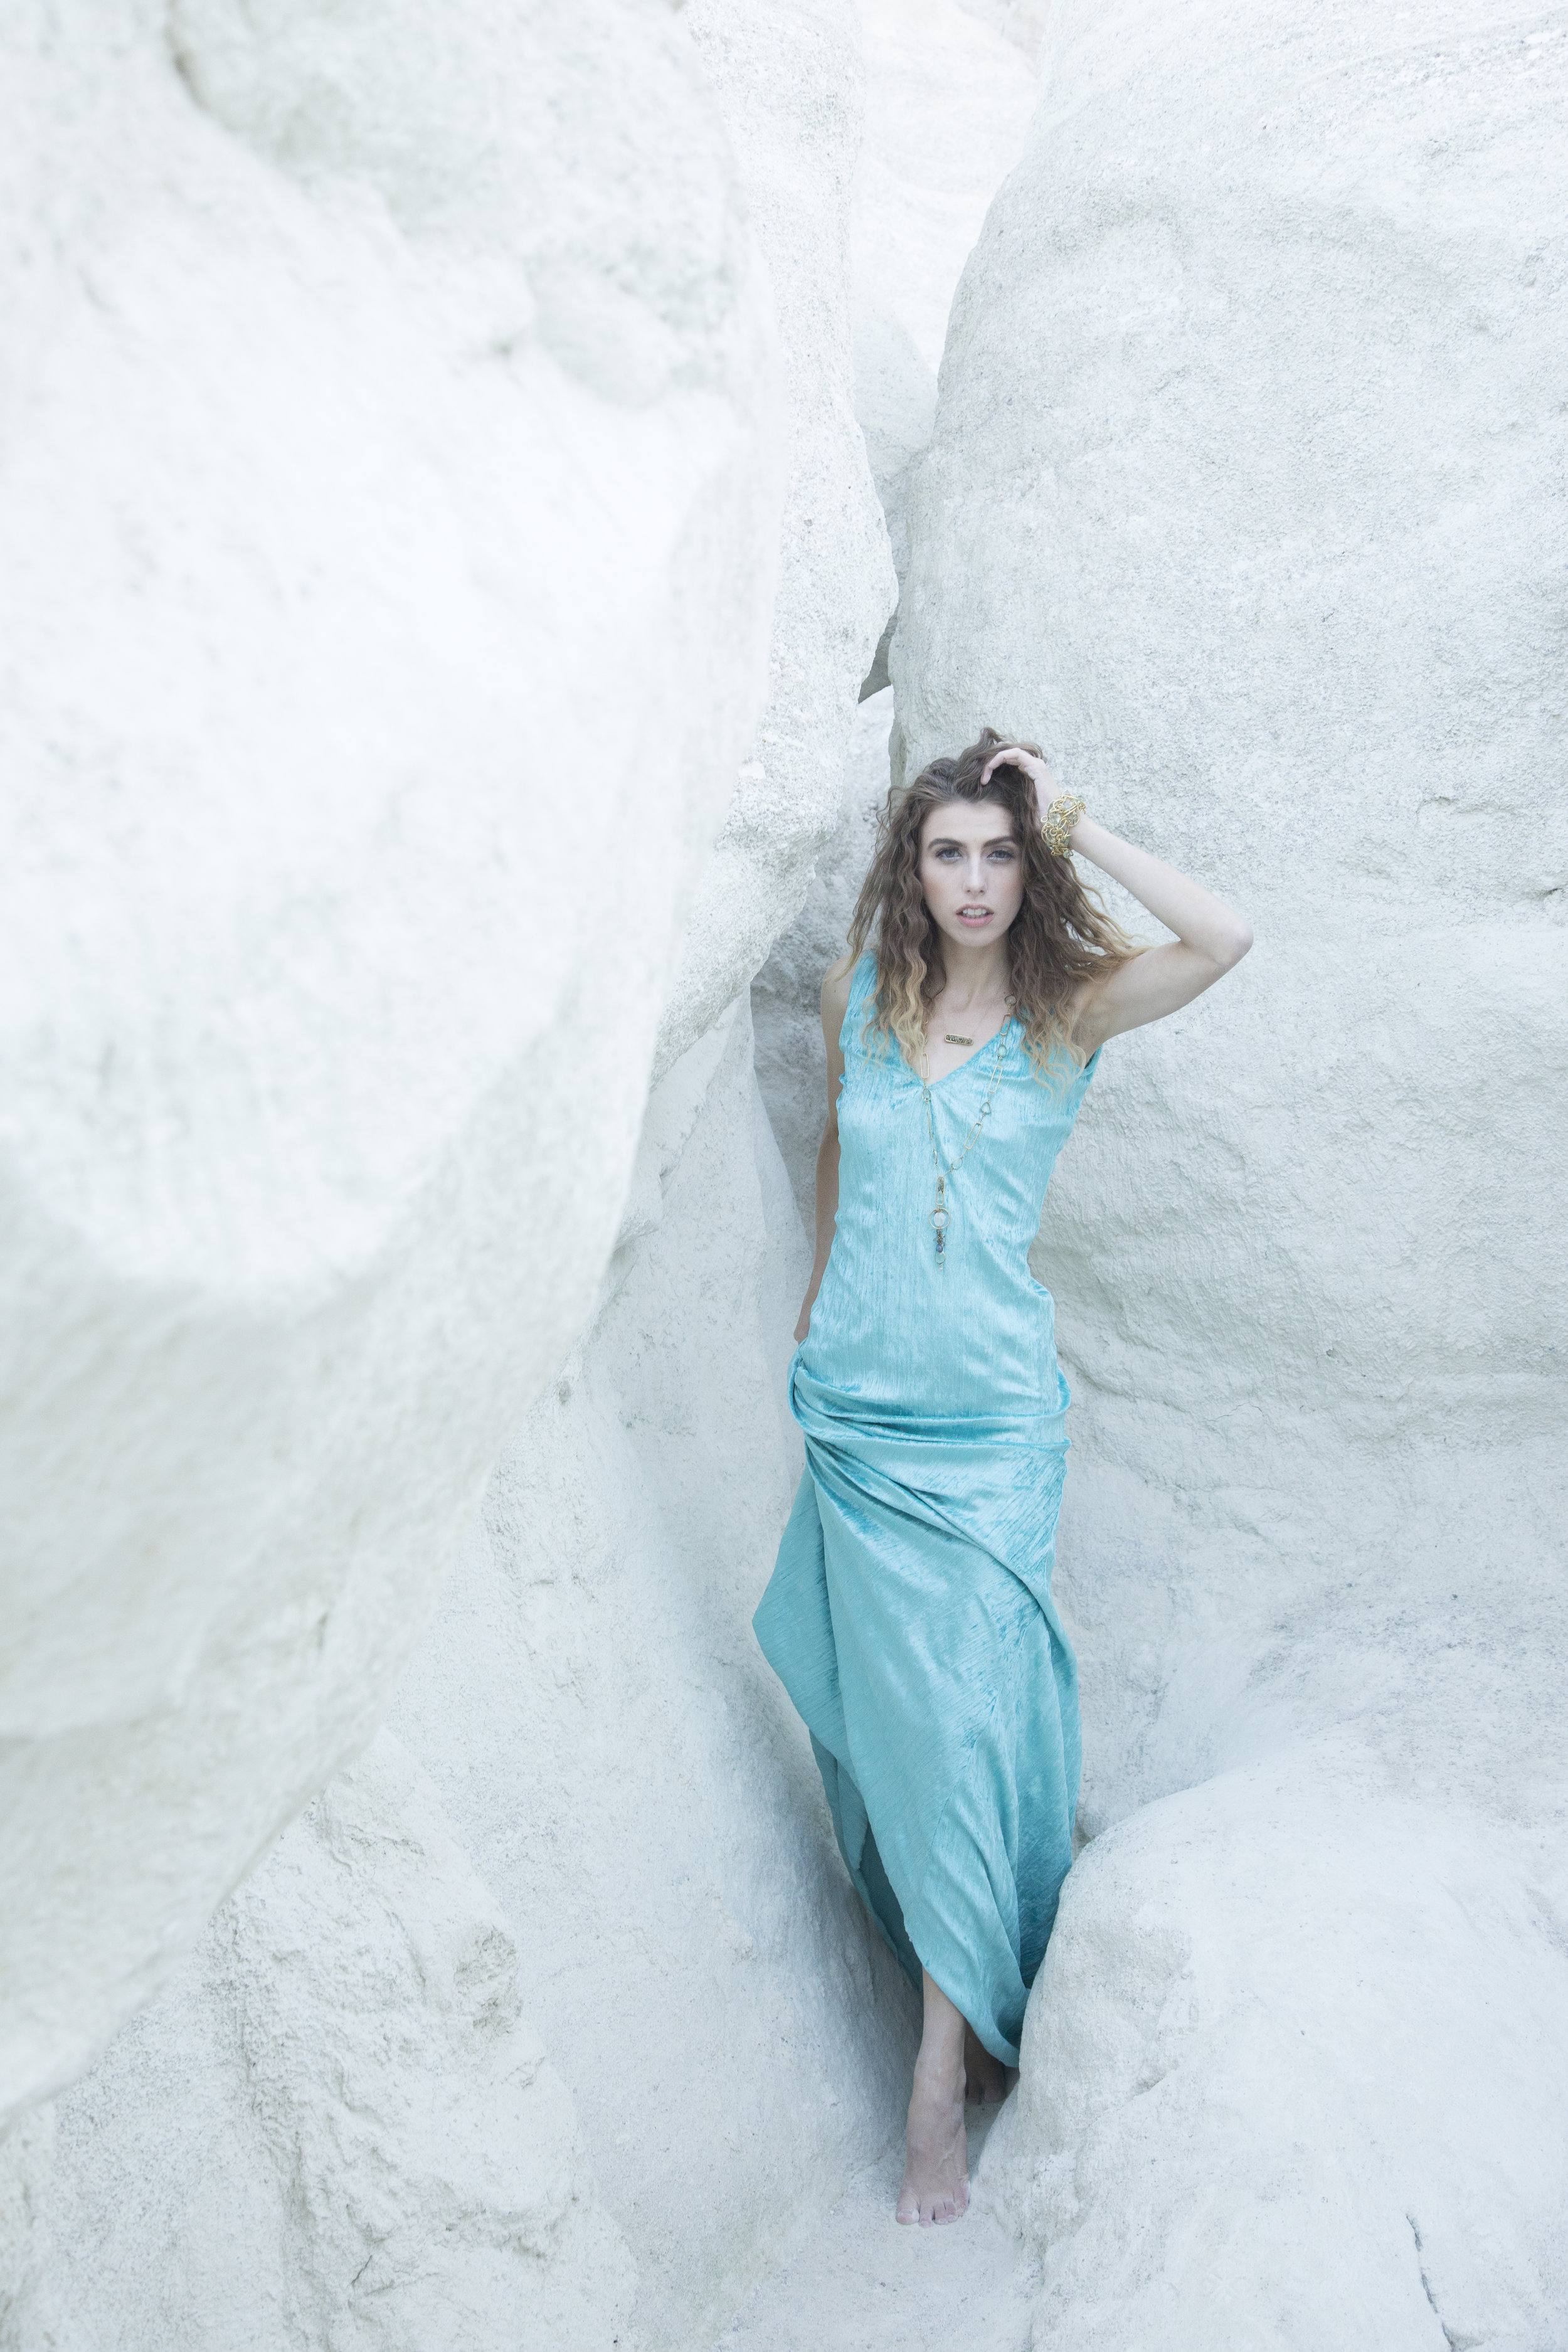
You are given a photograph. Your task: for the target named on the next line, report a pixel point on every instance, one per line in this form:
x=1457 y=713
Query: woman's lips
x=976 y=915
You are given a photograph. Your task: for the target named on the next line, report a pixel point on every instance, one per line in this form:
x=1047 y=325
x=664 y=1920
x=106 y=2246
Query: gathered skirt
x=910 y=1618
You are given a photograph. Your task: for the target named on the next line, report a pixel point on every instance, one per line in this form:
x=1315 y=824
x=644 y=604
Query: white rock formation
x=1022 y=21
x=788 y=78
x=1242 y=497
x=624 y=1768
x=659 y=1890
x=947 y=106
x=334 y=2126
x=388 y=523
x=948 y=103
x=336 y=2120
x=26 y=2168
x=386 y=535
x=786 y=994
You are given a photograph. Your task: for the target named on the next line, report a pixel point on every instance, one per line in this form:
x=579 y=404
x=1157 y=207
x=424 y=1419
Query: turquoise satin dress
x=910 y=1614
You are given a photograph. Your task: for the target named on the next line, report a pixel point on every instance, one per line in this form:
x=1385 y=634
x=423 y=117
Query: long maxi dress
x=910 y=1614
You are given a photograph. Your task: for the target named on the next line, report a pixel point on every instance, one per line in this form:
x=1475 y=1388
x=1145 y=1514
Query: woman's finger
x=1010 y=757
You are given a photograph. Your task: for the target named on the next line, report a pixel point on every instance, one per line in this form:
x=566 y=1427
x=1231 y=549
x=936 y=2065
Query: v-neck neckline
x=959 y=1068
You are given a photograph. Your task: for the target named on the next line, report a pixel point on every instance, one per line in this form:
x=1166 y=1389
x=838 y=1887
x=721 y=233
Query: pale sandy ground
x=868 y=2285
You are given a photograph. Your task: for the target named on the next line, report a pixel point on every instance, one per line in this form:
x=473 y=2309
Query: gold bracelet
x=1059 y=820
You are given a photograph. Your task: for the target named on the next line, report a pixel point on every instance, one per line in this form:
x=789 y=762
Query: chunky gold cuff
x=1059 y=820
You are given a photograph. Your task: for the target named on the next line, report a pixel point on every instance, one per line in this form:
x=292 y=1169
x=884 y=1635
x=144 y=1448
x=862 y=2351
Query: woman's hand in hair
x=1210 y=936
x=1013 y=755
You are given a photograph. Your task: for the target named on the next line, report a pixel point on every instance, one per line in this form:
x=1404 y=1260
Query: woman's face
x=971 y=870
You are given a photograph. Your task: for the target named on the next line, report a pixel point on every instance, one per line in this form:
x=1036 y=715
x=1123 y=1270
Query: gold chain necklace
x=939 y=1215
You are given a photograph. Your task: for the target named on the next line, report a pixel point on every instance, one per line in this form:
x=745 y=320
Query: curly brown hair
x=1061 y=934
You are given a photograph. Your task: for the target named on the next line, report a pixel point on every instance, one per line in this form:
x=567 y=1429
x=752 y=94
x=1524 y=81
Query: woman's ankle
x=939 y=2073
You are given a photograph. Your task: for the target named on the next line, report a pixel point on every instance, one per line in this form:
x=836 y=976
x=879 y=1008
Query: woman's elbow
x=1234 y=943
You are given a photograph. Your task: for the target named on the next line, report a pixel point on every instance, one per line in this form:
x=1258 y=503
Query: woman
x=909 y=1615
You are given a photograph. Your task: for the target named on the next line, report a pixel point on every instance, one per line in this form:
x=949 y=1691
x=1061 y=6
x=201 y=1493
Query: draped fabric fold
x=913 y=1627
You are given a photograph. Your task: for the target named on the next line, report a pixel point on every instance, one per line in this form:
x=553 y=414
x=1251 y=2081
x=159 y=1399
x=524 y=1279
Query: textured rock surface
x=622 y=1765
x=389 y=417
x=788 y=79
x=948 y=102
x=947 y=105
x=27 y=2168
x=627 y=1781
x=786 y=994
x=633 y=1852
x=1264 y=542
x=385 y=526
x=862 y=2284
x=1023 y=21
x=335 y=2127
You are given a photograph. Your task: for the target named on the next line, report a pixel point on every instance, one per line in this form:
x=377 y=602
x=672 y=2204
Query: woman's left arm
x=1210 y=938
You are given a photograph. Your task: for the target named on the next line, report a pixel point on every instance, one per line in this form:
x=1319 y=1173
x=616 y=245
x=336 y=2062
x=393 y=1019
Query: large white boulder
x=786 y=1011
x=629 y=1833
x=1245 y=499
x=386 y=533
x=623 y=1765
x=607 y=1916
x=948 y=102
x=335 y=2124
x=1021 y=21
x=788 y=78
x=947 y=105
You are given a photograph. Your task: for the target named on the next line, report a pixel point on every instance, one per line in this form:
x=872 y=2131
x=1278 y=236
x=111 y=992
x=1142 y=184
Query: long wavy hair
x=1060 y=936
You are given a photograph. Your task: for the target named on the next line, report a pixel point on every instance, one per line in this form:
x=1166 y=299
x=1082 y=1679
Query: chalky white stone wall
x=1022 y=21
x=336 y=2126
x=786 y=994
x=562 y=2036
x=948 y=101
x=285 y=2080
x=1246 y=498
x=947 y=105
x=789 y=77
x=624 y=1766
x=390 y=432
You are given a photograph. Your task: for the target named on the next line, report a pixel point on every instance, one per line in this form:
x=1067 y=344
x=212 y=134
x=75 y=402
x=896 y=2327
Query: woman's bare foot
x=984 y=2077
x=936 y=2172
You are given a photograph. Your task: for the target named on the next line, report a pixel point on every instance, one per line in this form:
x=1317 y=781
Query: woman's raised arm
x=1210 y=936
